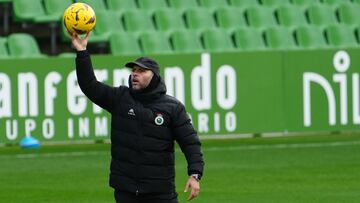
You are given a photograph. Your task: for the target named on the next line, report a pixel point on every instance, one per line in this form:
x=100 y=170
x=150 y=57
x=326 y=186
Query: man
x=145 y=124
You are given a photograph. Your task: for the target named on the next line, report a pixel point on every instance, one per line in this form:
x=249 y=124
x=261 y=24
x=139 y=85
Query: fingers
x=87 y=35
x=194 y=193
x=195 y=188
x=187 y=186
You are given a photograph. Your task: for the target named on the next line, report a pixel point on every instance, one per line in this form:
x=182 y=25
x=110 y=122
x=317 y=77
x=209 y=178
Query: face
x=140 y=77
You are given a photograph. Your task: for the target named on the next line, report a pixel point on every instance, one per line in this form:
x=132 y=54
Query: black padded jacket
x=144 y=127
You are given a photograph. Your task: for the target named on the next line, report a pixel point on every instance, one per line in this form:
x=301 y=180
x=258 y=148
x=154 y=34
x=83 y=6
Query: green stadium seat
x=274 y=3
x=260 y=17
x=321 y=15
x=56 y=7
x=186 y=41
x=279 y=38
x=334 y=3
x=248 y=39
x=154 y=43
x=230 y=18
x=349 y=14
x=107 y=22
x=199 y=19
x=304 y=3
x=168 y=19
x=213 y=4
x=31 y=11
x=23 y=45
x=340 y=36
x=4 y=53
x=136 y=20
x=120 y=6
x=290 y=16
x=216 y=40
x=97 y=5
x=243 y=3
x=310 y=37
x=124 y=43
x=151 y=5
x=182 y=5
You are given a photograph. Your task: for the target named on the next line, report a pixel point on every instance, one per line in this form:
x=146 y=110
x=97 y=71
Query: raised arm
x=99 y=93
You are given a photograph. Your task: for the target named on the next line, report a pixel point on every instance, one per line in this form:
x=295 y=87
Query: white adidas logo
x=131 y=112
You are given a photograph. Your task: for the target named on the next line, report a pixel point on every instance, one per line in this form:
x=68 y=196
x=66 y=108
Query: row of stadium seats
x=49 y=10
x=228 y=18
x=41 y=11
x=242 y=39
x=212 y=40
x=200 y=16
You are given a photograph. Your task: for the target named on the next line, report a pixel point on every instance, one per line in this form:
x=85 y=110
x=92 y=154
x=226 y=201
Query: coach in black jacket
x=145 y=124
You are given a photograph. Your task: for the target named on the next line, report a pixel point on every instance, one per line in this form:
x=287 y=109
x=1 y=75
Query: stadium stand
x=340 y=36
x=187 y=25
x=290 y=16
x=137 y=21
x=321 y=15
x=274 y=3
x=216 y=40
x=279 y=38
x=124 y=43
x=211 y=5
x=120 y=6
x=183 y=5
x=248 y=39
x=185 y=41
x=243 y=3
x=56 y=8
x=334 y=3
x=310 y=37
x=97 y=5
x=168 y=20
x=260 y=17
x=23 y=45
x=151 y=5
x=153 y=42
x=230 y=18
x=349 y=14
x=199 y=19
x=304 y=3
x=107 y=23
x=32 y=11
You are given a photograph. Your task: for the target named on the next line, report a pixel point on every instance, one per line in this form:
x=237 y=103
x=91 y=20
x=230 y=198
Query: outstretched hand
x=195 y=188
x=79 y=43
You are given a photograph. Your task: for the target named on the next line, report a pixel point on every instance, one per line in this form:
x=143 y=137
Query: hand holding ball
x=79 y=18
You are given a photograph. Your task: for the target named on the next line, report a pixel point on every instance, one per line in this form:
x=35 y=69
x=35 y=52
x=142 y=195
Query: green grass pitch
x=321 y=168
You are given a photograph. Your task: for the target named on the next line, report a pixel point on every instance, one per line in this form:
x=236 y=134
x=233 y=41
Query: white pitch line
x=284 y=146
x=55 y=154
x=205 y=149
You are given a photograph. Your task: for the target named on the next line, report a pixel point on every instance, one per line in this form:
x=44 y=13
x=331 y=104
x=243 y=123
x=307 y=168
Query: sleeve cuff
x=82 y=54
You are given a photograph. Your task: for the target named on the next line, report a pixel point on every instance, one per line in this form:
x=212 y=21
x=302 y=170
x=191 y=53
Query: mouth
x=135 y=81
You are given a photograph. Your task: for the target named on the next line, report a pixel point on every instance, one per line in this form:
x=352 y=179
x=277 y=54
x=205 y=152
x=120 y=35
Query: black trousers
x=127 y=197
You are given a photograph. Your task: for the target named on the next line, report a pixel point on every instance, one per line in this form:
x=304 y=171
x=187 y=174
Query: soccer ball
x=79 y=18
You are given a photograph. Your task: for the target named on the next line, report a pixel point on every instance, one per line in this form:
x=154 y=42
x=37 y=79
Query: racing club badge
x=159 y=120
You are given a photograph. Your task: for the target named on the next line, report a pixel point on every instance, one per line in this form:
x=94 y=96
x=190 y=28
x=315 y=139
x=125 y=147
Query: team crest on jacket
x=159 y=120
